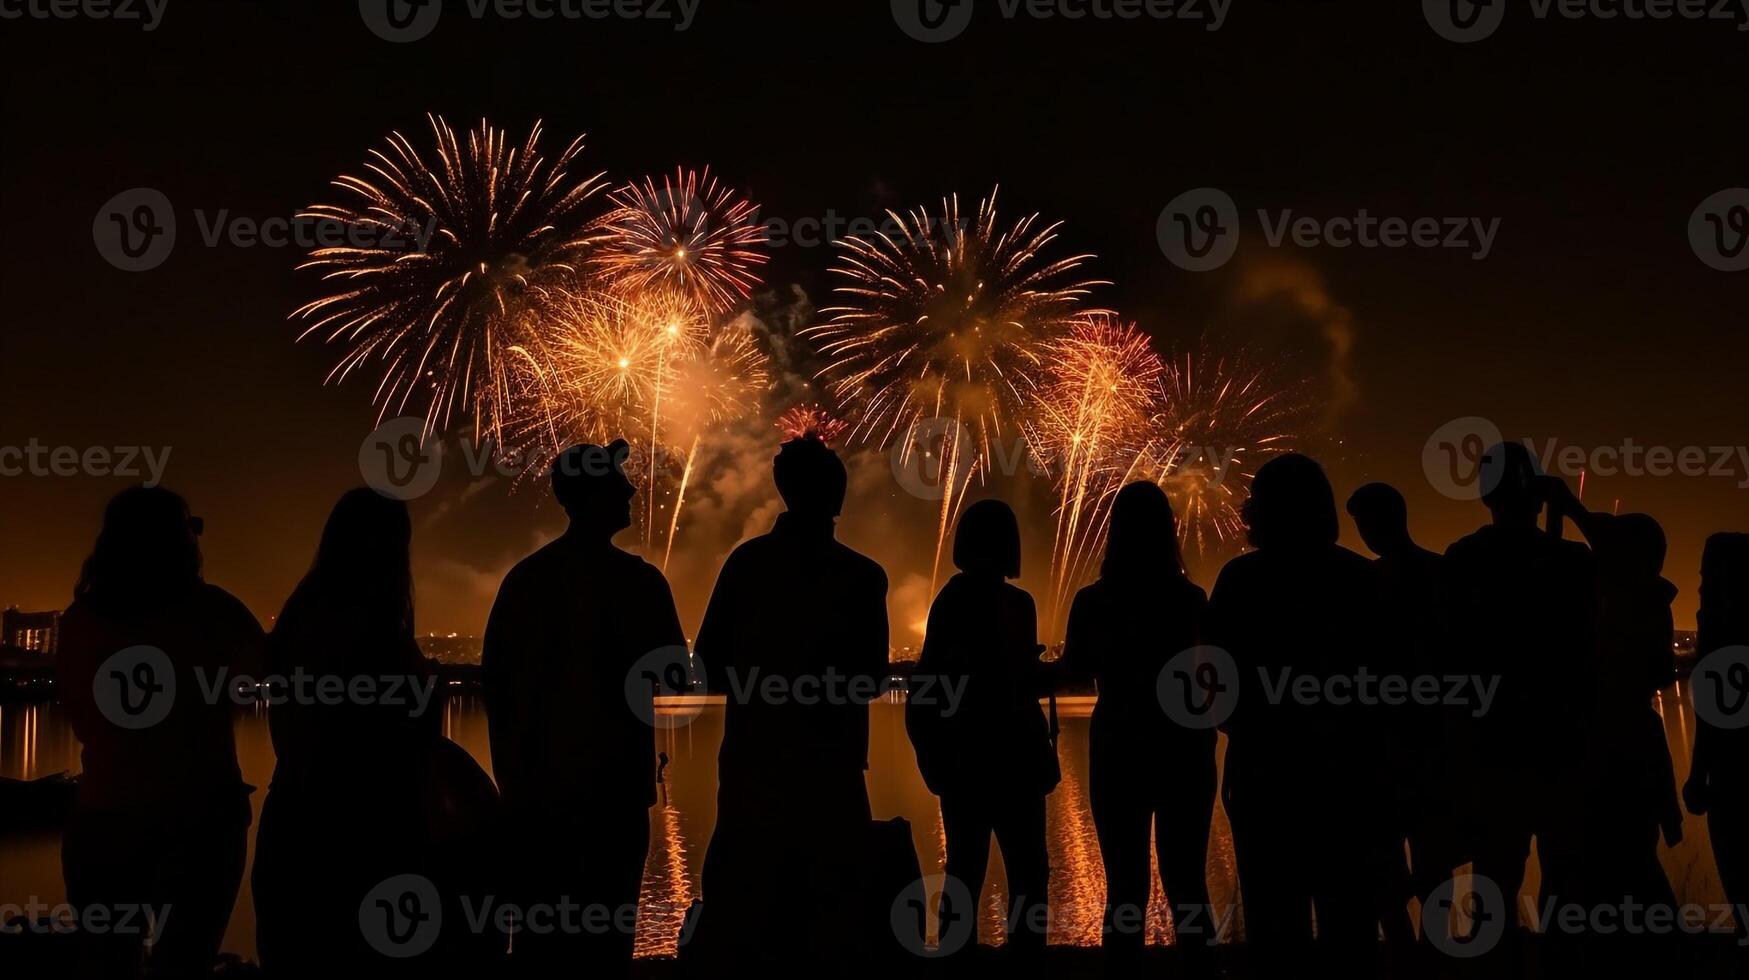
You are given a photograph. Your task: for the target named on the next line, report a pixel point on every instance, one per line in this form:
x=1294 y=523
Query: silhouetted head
x=590 y=483
x=1291 y=505
x=1382 y=516
x=147 y=553
x=363 y=567
x=1509 y=476
x=1638 y=543
x=1143 y=537
x=1724 y=591
x=987 y=541
x=810 y=477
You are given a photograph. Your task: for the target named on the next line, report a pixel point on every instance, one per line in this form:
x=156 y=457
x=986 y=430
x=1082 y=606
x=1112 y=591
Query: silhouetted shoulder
x=863 y=566
x=1241 y=569
x=227 y=610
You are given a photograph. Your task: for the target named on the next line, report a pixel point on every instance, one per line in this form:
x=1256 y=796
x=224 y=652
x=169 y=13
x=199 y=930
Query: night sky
x=1591 y=321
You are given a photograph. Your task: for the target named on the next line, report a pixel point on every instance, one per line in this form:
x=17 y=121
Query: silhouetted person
x=1146 y=771
x=162 y=814
x=1522 y=607
x=1718 y=773
x=1303 y=776
x=575 y=763
x=1630 y=781
x=796 y=636
x=346 y=808
x=1421 y=747
x=989 y=756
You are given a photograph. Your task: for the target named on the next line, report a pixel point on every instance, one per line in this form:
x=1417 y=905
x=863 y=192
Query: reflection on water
x=36 y=740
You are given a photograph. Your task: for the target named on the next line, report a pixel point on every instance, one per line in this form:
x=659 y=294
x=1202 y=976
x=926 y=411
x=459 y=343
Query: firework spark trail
x=441 y=255
x=1220 y=418
x=721 y=383
x=1091 y=418
x=691 y=235
x=946 y=320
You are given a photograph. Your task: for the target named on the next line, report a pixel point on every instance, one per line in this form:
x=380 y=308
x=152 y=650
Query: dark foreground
x=1705 y=957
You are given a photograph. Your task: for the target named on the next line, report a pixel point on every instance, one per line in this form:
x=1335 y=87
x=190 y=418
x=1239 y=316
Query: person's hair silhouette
x=987 y=541
x=1511 y=484
x=590 y=484
x=1382 y=516
x=810 y=478
x=1142 y=541
x=364 y=559
x=1291 y=505
x=147 y=551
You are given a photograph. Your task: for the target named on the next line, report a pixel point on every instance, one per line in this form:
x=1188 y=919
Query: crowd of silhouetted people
x=1342 y=810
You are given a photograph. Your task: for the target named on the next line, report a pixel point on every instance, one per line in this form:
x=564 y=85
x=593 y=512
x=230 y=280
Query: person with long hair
x=344 y=811
x=989 y=757
x=162 y=815
x=1146 y=771
x=1302 y=778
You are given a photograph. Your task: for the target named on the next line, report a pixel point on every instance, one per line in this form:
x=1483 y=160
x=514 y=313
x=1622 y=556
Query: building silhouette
x=36 y=632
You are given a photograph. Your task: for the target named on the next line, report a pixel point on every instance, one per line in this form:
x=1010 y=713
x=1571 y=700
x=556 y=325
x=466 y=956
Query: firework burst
x=690 y=234
x=802 y=420
x=597 y=365
x=1091 y=421
x=443 y=253
x=948 y=320
x=1220 y=418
